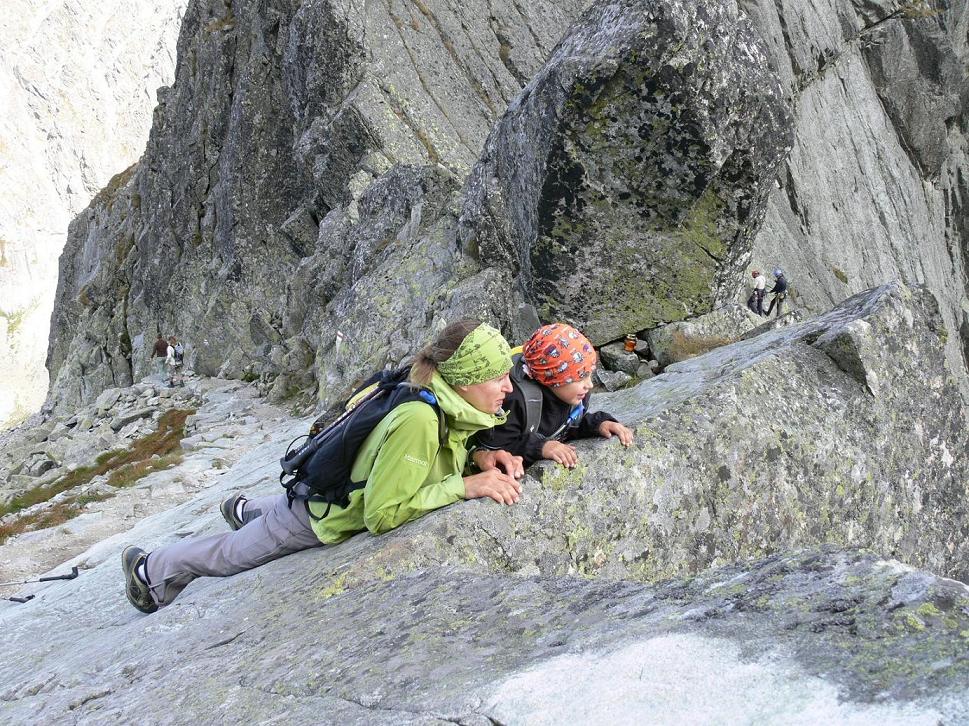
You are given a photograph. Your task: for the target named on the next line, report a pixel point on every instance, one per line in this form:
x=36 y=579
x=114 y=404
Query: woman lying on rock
x=409 y=471
x=552 y=380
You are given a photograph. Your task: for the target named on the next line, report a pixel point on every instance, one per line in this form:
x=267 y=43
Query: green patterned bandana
x=482 y=355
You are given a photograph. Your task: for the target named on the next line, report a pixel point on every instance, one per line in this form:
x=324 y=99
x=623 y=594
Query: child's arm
x=589 y=424
x=601 y=424
x=608 y=429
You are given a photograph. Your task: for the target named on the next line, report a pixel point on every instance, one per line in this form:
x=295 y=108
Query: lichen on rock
x=627 y=180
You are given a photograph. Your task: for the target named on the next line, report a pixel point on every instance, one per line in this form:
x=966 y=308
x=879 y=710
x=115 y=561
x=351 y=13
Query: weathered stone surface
x=874 y=188
x=282 y=118
x=129 y=417
x=612 y=380
x=628 y=180
x=847 y=424
x=615 y=357
x=41 y=466
x=106 y=399
x=818 y=635
x=676 y=341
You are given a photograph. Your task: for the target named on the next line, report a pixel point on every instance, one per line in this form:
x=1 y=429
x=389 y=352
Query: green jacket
x=407 y=473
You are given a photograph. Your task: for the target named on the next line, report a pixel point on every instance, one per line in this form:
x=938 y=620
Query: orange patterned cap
x=558 y=354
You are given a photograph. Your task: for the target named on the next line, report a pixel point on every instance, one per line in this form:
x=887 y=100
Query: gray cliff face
x=624 y=186
x=305 y=211
x=79 y=83
x=282 y=116
x=89 y=326
x=875 y=186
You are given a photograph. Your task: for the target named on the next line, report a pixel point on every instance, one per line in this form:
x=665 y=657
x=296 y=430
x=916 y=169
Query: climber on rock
x=779 y=291
x=549 y=403
x=412 y=462
x=756 y=300
x=174 y=358
x=159 y=356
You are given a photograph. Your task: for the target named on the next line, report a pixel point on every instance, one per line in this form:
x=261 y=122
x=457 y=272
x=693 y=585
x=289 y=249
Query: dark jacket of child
x=513 y=437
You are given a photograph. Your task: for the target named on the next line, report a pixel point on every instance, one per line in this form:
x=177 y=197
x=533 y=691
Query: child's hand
x=562 y=453
x=608 y=429
x=486 y=459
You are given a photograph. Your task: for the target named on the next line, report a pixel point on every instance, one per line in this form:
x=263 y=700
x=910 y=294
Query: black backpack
x=531 y=392
x=323 y=462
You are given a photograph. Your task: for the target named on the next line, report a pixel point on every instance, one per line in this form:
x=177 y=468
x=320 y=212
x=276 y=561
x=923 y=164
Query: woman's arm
x=394 y=493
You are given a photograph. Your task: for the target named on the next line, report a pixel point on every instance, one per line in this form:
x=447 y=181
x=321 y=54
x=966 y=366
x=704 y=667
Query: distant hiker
x=159 y=354
x=408 y=466
x=756 y=300
x=779 y=292
x=549 y=405
x=174 y=357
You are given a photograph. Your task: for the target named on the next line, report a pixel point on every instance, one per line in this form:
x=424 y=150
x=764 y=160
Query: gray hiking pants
x=272 y=529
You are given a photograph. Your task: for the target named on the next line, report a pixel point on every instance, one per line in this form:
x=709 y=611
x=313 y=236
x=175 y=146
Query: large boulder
x=683 y=339
x=626 y=183
x=846 y=428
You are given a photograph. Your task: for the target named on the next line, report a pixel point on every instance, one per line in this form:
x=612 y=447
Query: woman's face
x=488 y=395
x=573 y=393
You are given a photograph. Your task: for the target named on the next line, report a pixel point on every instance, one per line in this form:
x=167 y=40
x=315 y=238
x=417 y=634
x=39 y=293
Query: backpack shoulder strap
x=531 y=393
x=430 y=399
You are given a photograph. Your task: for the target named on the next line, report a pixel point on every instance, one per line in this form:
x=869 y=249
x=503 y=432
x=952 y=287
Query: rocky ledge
x=778 y=480
x=137 y=450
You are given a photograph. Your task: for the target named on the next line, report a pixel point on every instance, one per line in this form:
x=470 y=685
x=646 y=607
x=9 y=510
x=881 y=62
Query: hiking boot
x=135 y=588
x=228 y=509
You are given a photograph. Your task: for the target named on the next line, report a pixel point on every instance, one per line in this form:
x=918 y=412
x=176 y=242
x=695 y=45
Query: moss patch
x=155 y=452
x=337 y=586
x=700 y=226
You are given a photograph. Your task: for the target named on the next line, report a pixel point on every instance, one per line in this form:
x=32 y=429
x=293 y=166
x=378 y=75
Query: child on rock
x=549 y=403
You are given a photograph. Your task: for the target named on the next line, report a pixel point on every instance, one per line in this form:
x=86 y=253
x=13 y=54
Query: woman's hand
x=608 y=429
x=492 y=483
x=562 y=453
x=486 y=460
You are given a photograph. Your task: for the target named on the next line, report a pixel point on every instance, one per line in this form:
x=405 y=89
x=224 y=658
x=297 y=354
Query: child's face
x=573 y=393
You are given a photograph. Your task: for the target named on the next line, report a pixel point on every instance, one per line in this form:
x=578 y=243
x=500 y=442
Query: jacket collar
x=461 y=414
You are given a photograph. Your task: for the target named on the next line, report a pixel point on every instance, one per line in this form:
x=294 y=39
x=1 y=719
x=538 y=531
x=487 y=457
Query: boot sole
x=135 y=590
x=228 y=509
